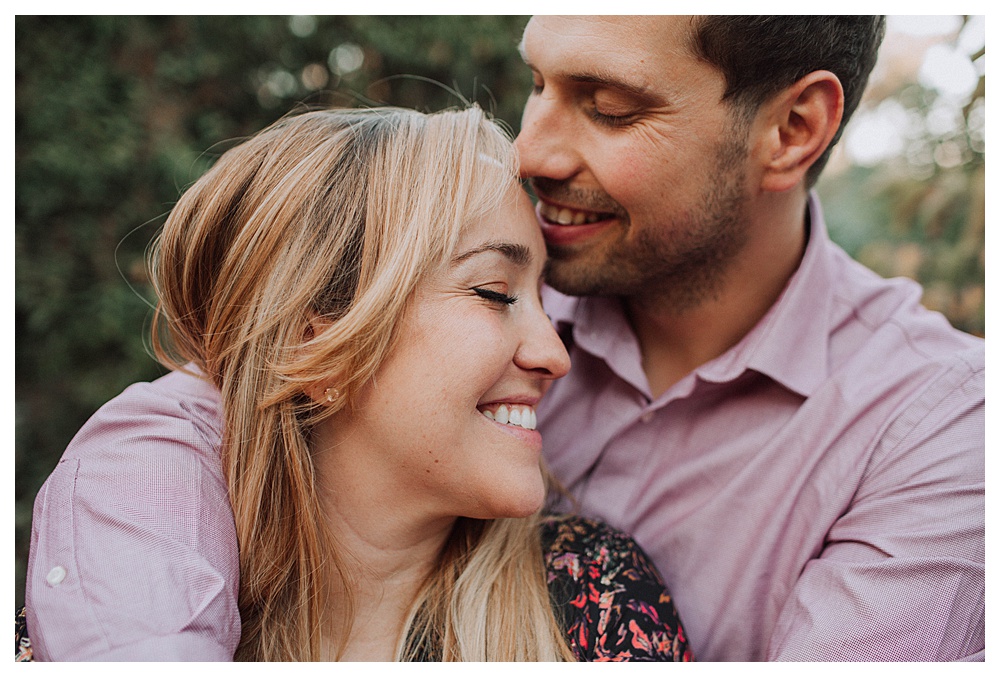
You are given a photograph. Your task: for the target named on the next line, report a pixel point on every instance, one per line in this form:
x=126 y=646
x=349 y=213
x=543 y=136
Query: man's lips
x=563 y=225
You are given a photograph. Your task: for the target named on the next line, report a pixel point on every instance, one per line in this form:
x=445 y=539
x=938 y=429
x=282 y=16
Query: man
x=795 y=441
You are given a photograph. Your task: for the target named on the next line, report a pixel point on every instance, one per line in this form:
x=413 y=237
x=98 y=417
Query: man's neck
x=673 y=344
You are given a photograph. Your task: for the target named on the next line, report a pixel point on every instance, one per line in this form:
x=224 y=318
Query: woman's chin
x=521 y=503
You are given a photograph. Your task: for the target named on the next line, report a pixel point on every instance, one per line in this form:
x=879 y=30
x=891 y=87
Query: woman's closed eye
x=495 y=296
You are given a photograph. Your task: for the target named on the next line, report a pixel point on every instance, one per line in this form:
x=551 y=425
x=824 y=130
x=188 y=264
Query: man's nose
x=545 y=145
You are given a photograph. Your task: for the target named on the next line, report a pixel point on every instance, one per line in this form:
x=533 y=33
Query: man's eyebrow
x=517 y=254
x=612 y=81
x=605 y=79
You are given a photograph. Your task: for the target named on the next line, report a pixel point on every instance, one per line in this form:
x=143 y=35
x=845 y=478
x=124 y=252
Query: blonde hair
x=338 y=213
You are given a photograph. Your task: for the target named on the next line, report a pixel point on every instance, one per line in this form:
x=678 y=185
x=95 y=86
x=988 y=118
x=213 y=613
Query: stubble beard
x=679 y=265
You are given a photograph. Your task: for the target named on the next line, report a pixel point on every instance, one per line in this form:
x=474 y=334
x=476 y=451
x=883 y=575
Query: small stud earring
x=331 y=394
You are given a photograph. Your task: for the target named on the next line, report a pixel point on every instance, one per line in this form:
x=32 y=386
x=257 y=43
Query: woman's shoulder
x=569 y=541
x=608 y=594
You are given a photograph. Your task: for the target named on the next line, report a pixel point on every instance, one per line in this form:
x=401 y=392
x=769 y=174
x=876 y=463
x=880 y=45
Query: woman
x=363 y=289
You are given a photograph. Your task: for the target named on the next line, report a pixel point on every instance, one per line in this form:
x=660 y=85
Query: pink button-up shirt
x=133 y=546
x=814 y=493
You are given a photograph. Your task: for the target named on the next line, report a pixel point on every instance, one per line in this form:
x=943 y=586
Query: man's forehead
x=662 y=34
x=640 y=55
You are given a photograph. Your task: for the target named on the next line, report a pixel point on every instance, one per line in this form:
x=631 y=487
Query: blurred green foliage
x=113 y=118
x=922 y=213
x=116 y=115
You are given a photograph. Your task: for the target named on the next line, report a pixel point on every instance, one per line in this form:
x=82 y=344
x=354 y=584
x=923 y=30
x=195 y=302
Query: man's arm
x=133 y=552
x=902 y=574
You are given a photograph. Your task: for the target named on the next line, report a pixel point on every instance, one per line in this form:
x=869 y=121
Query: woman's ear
x=801 y=122
x=325 y=392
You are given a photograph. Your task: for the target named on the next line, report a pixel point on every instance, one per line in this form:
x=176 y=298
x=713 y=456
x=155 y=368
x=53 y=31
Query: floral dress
x=22 y=645
x=608 y=595
x=605 y=592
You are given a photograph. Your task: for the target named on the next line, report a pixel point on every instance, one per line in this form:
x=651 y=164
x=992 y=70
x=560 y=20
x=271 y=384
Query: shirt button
x=647 y=417
x=56 y=576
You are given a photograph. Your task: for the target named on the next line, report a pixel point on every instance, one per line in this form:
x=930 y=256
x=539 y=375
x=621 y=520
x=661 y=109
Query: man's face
x=638 y=164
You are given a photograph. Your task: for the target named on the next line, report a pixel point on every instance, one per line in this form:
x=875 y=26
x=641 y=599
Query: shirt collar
x=789 y=344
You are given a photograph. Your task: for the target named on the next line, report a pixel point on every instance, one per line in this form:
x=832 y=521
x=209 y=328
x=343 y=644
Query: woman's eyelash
x=495 y=296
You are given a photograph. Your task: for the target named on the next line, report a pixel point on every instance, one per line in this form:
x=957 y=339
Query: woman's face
x=446 y=427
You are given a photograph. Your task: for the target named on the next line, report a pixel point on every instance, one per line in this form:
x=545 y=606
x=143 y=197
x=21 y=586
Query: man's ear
x=801 y=121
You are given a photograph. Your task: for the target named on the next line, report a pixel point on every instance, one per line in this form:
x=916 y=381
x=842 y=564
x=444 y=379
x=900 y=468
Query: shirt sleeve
x=902 y=573
x=133 y=551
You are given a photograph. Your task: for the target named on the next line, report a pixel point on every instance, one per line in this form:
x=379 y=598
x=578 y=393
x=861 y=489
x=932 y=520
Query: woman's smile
x=520 y=415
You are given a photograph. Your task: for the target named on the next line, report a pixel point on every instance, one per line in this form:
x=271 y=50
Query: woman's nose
x=541 y=350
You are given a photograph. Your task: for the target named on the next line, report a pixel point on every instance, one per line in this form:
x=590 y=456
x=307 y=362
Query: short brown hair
x=761 y=55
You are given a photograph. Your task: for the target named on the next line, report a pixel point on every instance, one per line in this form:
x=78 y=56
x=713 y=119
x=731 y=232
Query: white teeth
x=517 y=415
x=566 y=216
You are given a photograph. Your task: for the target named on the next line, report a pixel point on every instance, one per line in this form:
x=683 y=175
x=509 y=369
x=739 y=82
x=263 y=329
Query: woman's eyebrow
x=517 y=254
